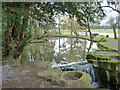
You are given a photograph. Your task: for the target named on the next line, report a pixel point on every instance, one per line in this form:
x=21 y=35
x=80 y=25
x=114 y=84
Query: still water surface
x=67 y=49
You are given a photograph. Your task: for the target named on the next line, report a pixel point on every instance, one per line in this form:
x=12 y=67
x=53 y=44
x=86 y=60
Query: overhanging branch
x=111 y=8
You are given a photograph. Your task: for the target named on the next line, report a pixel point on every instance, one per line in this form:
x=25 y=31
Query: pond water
x=59 y=49
x=65 y=53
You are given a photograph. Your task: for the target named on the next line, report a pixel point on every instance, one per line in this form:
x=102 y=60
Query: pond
x=59 y=49
x=68 y=54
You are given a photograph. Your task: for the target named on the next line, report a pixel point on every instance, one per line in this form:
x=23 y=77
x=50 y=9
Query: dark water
x=67 y=54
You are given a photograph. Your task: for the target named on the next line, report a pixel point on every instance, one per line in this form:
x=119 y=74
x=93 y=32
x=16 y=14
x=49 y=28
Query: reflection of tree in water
x=77 y=49
x=91 y=43
x=70 y=48
x=36 y=51
x=75 y=52
x=84 y=51
x=59 y=45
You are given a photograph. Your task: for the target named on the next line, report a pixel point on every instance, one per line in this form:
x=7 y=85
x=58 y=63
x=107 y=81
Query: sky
x=109 y=12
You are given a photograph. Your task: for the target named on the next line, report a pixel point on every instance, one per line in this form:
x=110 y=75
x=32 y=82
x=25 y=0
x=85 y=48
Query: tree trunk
x=75 y=32
x=84 y=51
x=114 y=31
x=91 y=37
x=59 y=44
x=19 y=36
x=59 y=29
x=8 y=35
x=71 y=32
x=86 y=32
x=91 y=43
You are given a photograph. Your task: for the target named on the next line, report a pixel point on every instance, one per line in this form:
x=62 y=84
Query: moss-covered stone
x=77 y=74
x=109 y=76
x=107 y=54
x=98 y=57
x=53 y=75
x=107 y=65
x=84 y=79
x=57 y=76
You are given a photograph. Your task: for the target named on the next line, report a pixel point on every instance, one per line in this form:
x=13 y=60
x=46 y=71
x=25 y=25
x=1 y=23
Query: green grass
x=111 y=42
x=97 y=38
x=104 y=30
x=68 y=31
x=92 y=30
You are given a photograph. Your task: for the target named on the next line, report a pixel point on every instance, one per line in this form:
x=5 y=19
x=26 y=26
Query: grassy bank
x=109 y=42
x=97 y=38
x=104 y=30
x=92 y=30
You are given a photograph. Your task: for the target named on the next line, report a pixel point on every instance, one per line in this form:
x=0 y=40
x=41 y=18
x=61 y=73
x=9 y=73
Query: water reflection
x=70 y=49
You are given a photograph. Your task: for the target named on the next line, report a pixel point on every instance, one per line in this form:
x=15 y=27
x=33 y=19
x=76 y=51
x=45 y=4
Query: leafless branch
x=111 y=8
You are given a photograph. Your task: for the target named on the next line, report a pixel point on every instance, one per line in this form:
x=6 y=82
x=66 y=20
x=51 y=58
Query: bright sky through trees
x=109 y=12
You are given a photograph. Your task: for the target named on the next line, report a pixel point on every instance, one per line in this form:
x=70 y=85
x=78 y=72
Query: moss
x=84 y=79
x=95 y=56
x=75 y=73
x=44 y=64
x=57 y=76
x=106 y=47
x=98 y=57
x=53 y=75
x=102 y=40
x=108 y=65
x=110 y=50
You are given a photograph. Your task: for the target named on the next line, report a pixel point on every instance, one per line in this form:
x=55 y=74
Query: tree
x=75 y=27
x=111 y=4
x=15 y=32
x=72 y=24
x=19 y=19
x=87 y=13
x=113 y=22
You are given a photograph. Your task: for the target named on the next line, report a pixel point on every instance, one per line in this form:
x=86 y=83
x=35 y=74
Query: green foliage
x=19 y=19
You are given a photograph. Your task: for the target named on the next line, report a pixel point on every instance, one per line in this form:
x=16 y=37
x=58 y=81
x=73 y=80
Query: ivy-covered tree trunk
x=8 y=35
x=114 y=31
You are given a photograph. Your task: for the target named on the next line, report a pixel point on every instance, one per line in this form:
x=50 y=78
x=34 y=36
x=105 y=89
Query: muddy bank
x=28 y=76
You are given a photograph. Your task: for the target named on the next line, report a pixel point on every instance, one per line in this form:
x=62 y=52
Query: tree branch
x=111 y=8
